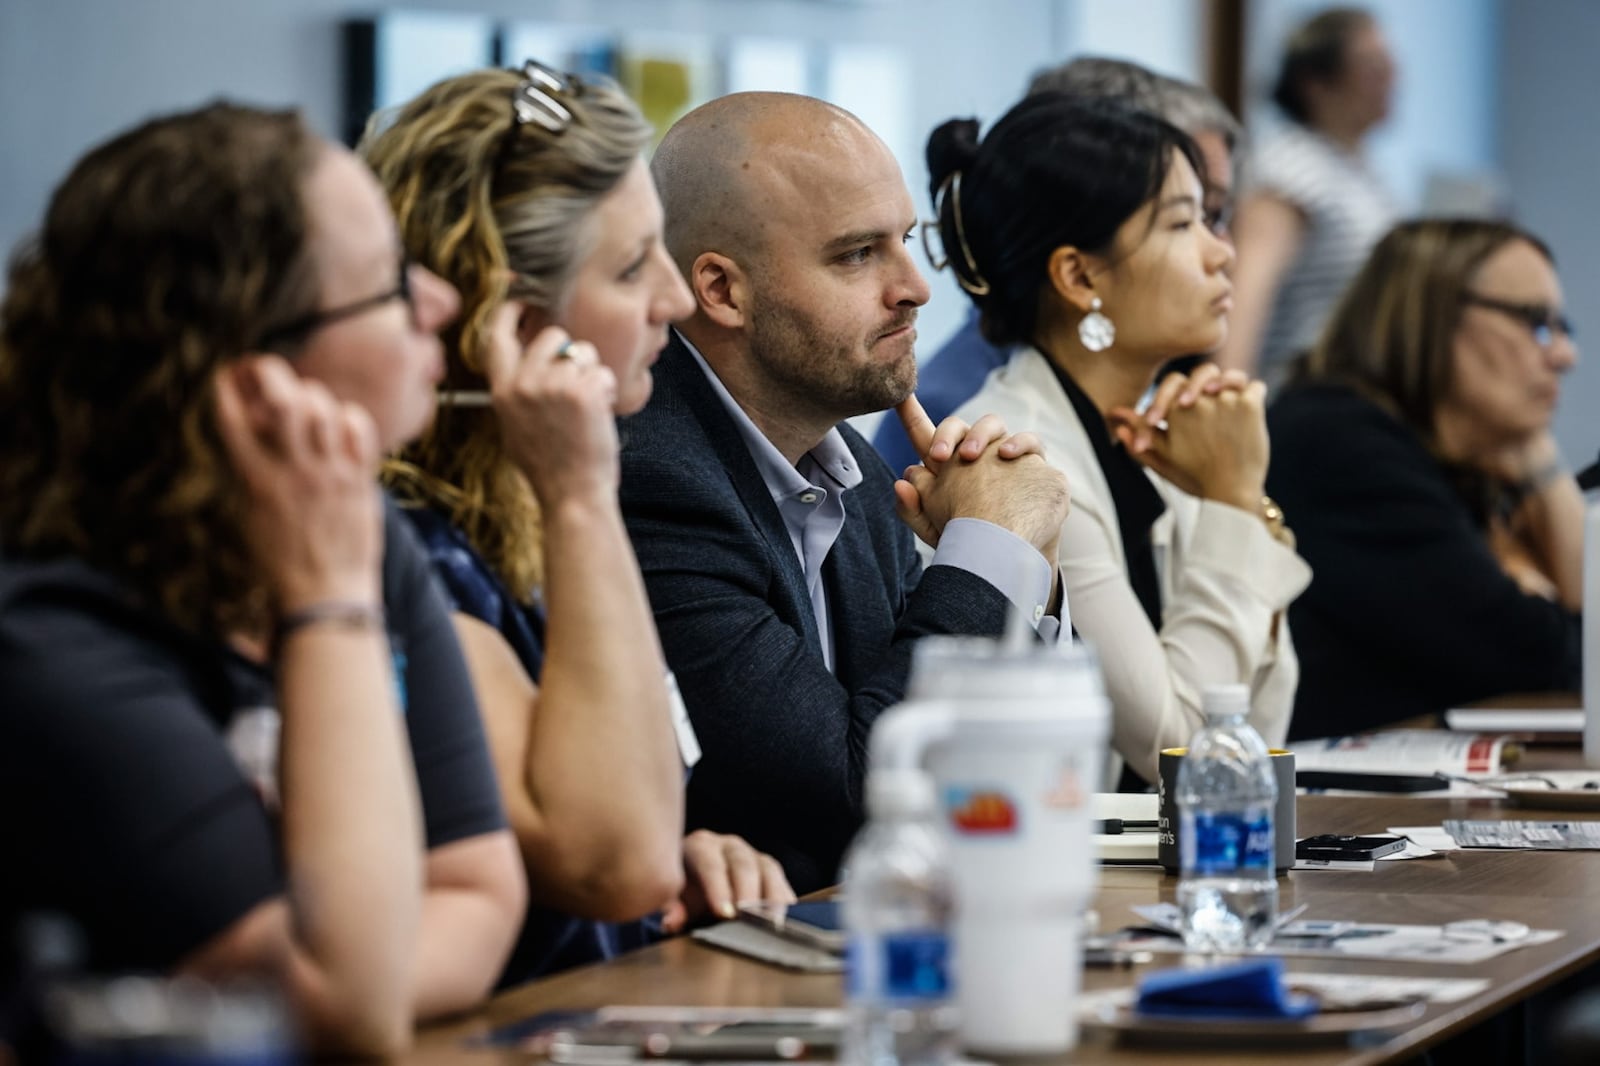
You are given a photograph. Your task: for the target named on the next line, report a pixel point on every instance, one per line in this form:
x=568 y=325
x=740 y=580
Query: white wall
x=1550 y=78
x=1164 y=35
x=1501 y=89
x=74 y=71
x=1444 y=107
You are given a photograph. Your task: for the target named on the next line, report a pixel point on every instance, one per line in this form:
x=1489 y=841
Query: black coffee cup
x=1283 y=828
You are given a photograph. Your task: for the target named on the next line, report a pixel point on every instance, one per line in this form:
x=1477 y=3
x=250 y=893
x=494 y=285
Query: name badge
x=688 y=743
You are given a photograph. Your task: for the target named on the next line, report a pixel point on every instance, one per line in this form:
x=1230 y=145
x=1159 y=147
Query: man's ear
x=721 y=289
x=1070 y=277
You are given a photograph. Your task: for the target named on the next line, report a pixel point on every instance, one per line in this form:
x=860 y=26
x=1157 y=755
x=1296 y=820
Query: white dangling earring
x=1095 y=330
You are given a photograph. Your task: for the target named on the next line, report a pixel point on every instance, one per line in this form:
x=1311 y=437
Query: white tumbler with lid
x=1014 y=734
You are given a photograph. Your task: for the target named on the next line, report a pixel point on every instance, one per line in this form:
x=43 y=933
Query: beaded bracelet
x=346 y=614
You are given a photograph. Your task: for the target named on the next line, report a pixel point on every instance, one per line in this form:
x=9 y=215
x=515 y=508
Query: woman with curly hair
x=203 y=355
x=527 y=191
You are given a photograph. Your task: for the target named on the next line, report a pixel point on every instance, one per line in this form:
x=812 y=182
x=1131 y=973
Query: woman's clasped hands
x=1205 y=432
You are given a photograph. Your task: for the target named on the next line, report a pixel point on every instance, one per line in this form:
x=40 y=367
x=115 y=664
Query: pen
x=1328 y=938
x=716 y=1046
x=1118 y=826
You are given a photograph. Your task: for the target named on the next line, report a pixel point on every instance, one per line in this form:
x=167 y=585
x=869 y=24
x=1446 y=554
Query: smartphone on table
x=814 y=922
x=1338 y=848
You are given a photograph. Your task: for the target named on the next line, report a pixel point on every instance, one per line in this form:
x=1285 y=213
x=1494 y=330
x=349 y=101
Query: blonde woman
x=527 y=190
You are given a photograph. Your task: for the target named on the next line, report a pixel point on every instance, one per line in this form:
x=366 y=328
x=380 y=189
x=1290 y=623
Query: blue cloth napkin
x=1252 y=989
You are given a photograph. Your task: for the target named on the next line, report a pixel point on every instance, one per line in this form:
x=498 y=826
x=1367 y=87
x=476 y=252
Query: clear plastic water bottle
x=1226 y=794
x=899 y=979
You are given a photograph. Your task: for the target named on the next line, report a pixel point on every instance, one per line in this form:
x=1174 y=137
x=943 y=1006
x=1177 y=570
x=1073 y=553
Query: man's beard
x=821 y=371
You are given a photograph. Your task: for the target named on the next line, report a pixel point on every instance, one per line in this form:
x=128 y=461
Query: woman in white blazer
x=1077 y=230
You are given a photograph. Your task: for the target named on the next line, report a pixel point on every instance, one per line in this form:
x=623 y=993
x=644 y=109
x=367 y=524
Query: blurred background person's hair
x=1311 y=207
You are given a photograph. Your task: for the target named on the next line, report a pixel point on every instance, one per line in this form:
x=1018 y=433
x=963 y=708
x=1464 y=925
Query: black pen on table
x=1118 y=826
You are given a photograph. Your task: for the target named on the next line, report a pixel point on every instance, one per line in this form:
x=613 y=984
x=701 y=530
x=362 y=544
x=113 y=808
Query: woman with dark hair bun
x=1076 y=228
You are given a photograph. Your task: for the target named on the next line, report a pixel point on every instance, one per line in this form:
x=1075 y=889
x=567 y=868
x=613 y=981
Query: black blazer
x=1409 y=612
x=785 y=741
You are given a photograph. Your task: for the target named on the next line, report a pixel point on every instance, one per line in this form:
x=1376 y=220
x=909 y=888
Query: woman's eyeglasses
x=1542 y=321
x=298 y=330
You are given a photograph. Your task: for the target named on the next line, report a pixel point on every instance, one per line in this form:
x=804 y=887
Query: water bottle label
x=910 y=966
x=1221 y=843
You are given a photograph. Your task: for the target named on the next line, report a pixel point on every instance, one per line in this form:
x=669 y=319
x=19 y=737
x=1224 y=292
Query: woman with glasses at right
x=1413 y=447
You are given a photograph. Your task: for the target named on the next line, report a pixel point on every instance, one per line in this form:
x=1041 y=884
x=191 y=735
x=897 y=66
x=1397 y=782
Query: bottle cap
x=1225 y=701
x=899 y=792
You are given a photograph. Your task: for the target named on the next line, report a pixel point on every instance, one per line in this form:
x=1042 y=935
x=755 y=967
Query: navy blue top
x=551 y=940
x=1410 y=612
x=121 y=793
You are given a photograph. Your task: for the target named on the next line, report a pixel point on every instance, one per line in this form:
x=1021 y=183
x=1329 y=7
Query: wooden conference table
x=1551 y=890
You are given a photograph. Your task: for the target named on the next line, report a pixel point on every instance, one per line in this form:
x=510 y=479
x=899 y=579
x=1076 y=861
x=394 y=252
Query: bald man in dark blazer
x=787 y=591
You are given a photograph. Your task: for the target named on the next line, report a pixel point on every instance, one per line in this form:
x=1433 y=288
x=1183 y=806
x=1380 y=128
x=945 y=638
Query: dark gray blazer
x=785 y=741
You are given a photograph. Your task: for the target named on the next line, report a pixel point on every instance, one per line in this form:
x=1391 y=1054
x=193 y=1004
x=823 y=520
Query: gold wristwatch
x=1272 y=515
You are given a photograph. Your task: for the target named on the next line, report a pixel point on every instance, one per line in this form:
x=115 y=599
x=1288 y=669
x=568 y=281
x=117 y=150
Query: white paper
x=1427 y=836
x=1373 y=940
x=1353 y=989
x=1414 y=752
x=1527 y=836
x=1515 y=719
x=1347 y=991
x=1410 y=943
x=1413 y=850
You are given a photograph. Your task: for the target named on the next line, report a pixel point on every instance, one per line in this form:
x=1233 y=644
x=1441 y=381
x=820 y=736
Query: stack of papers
x=1406 y=752
x=1320 y=938
x=1532 y=836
